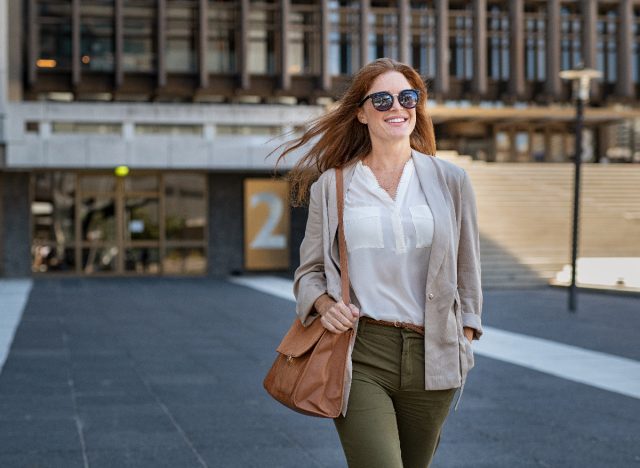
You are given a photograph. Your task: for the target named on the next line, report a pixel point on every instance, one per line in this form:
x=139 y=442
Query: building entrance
x=97 y=223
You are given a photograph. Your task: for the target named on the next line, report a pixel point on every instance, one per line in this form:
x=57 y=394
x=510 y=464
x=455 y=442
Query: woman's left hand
x=468 y=332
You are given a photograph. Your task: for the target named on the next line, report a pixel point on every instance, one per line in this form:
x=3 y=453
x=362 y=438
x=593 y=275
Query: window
x=182 y=29
x=423 y=43
x=96 y=35
x=262 y=37
x=54 y=18
x=461 y=43
x=222 y=43
x=266 y=130
x=535 y=48
x=304 y=38
x=140 y=36
x=570 y=40
x=86 y=127
x=169 y=129
x=383 y=33
x=185 y=224
x=53 y=221
x=94 y=222
x=498 y=38
x=606 y=46
x=344 y=39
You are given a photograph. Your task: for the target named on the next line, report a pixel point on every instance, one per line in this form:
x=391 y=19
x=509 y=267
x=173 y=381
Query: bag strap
x=342 y=242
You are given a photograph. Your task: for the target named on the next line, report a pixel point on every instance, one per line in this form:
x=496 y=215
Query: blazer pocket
x=362 y=228
x=423 y=223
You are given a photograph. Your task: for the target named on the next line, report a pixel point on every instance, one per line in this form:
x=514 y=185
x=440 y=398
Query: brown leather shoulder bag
x=308 y=374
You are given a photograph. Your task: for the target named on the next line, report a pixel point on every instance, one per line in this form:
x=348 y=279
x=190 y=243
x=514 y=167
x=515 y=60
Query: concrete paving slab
x=168 y=372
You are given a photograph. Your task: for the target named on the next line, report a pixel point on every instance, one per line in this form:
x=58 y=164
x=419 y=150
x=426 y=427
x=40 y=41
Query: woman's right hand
x=336 y=317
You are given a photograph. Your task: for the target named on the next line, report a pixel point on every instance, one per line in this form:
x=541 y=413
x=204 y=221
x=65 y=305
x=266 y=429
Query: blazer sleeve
x=469 y=277
x=309 y=280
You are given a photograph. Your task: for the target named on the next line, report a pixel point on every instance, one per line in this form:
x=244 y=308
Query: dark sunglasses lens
x=408 y=99
x=382 y=101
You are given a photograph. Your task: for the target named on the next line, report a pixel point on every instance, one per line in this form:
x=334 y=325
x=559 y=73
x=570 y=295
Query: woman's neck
x=388 y=155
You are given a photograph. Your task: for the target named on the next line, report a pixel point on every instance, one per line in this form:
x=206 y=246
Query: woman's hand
x=336 y=317
x=468 y=332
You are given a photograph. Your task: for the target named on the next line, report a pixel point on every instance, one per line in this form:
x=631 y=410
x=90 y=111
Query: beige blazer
x=453 y=290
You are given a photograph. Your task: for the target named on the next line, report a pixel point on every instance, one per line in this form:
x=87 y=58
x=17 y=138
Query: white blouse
x=388 y=245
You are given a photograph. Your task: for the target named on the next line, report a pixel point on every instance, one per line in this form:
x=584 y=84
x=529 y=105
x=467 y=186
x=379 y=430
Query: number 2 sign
x=266 y=224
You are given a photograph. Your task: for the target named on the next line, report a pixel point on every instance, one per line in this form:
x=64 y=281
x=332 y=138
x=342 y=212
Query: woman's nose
x=396 y=103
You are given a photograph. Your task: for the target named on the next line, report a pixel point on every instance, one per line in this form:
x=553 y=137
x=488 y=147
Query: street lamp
x=581 y=78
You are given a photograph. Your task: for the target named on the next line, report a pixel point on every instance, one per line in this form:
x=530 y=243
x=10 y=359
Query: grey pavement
x=168 y=373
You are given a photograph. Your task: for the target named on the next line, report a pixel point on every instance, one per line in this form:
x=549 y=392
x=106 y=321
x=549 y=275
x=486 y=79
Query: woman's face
x=397 y=123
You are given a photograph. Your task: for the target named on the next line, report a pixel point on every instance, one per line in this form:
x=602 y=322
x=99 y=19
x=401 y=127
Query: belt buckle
x=397 y=324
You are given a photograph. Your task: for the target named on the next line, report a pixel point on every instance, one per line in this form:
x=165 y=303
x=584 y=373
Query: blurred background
x=133 y=134
x=134 y=137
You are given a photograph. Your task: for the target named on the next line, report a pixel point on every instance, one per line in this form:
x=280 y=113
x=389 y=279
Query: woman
x=414 y=265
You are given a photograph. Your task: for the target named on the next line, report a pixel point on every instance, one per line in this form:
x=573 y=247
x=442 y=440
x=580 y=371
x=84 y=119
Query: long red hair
x=340 y=138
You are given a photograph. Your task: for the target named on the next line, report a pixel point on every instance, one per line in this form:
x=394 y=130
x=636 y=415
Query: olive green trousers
x=391 y=421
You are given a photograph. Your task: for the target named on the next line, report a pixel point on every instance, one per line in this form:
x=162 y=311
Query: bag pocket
x=423 y=224
x=362 y=228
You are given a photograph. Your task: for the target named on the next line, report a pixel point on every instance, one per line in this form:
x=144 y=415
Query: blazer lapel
x=432 y=186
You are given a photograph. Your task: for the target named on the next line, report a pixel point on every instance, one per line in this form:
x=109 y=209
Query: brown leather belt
x=396 y=324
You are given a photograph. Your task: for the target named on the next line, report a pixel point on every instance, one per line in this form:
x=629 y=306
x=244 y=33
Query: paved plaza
x=168 y=373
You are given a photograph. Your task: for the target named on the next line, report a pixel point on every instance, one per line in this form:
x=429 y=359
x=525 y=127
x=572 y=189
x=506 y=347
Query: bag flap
x=300 y=339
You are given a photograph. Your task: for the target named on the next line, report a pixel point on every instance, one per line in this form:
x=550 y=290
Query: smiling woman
x=412 y=247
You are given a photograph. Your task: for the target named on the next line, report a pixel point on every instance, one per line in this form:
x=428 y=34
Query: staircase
x=525 y=212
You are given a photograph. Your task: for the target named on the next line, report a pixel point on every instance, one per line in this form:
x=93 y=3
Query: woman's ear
x=361 y=117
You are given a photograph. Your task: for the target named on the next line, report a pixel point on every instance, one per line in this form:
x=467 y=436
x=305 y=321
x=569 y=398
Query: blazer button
x=430 y=296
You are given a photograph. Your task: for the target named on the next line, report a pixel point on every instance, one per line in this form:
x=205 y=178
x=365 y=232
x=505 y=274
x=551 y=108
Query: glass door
x=119 y=224
x=142 y=224
x=148 y=223
x=98 y=214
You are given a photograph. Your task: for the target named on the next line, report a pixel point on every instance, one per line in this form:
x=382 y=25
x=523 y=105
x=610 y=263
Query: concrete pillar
x=553 y=84
x=589 y=32
x=285 y=76
x=33 y=45
x=119 y=42
x=479 y=81
x=442 y=48
x=364 y=32
x=404 y=33
x=15 y=228
x=516 y=48
x=161 y=68
x=226 y=230
x=243 y=50
x=203 y=42
x=325 y=80
x=16 y=50
x=624 y=83
x=75 y=42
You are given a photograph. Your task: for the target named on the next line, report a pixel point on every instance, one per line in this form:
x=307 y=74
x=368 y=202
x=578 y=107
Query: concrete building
x=189 y=96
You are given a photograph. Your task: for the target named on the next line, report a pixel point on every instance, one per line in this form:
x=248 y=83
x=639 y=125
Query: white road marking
x=280 y=287
x=13 y=298
x=601 y=370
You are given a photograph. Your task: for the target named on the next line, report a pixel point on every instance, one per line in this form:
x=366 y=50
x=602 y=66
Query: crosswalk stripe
x=601 y=370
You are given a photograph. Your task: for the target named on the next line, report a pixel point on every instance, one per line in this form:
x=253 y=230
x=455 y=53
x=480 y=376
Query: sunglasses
x=383 y=100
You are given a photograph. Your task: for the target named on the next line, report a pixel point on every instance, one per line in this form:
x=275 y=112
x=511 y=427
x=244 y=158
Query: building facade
x=187 y=98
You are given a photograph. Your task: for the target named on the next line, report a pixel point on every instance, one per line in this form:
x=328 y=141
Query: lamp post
x=581 y=78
